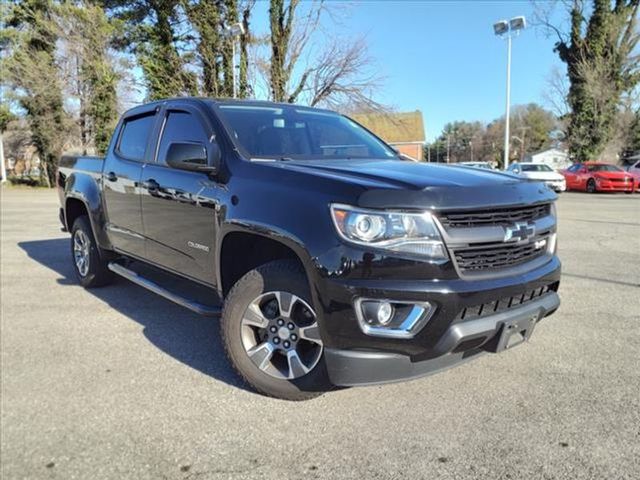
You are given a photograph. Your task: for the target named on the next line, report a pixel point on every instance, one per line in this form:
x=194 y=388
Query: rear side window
x=134 y=137
x=180 y=127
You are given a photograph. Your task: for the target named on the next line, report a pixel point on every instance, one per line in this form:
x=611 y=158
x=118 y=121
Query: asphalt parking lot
x=119 y=383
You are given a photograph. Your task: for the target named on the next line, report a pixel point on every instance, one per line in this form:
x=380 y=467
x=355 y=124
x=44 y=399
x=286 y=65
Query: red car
x=598 y=177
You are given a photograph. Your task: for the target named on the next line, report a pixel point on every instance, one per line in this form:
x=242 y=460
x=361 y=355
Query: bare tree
x=289 y=39
x=338 y=74
x=555 y=95
x=343 y=78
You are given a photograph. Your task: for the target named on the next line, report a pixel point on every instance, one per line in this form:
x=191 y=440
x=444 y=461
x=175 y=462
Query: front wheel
x=591 y=186
x=271 y=335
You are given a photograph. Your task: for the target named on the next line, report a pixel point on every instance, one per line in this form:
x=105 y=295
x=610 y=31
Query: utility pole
x=448 y=147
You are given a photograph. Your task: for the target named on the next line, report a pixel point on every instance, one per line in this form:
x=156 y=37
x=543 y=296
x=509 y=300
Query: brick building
x=405 y=131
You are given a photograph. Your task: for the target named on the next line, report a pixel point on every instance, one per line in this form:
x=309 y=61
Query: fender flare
x=287 y=239
x=84 y=187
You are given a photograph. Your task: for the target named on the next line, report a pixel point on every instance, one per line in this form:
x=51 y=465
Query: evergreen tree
x=151 y=35
x=29 y=37
x=601 y=66
x=88 y=35
x=214 y=48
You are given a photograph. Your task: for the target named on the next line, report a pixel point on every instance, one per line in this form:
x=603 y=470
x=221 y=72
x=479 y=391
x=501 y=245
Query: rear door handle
x=112 y=177
x=150 y=184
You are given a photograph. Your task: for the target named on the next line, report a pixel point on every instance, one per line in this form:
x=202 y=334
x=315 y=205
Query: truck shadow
x=185 y=336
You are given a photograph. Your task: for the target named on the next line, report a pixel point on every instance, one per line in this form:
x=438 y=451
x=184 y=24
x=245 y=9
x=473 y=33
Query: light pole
x=448 y=147
x=233 y=32
x=503 y=29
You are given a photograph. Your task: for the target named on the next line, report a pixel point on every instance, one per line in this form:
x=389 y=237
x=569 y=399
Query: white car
x=486 y=165
x=541 y=172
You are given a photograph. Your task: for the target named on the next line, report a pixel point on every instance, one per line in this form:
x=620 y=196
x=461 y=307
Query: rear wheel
x=91 y=269
x=271 y=334
x=591 y=186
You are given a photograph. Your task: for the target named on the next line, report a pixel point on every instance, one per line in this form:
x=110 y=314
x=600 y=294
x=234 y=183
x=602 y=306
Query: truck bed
x=82 y=163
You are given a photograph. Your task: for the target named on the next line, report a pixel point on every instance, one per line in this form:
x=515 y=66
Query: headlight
x=413 y=233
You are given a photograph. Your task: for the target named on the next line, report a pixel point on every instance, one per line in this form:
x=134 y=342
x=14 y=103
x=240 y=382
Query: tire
x=83 y=246
x=591 y=186
x=255 y=329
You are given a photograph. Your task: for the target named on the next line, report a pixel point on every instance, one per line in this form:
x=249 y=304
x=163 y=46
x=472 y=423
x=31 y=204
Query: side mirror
x=194 y=157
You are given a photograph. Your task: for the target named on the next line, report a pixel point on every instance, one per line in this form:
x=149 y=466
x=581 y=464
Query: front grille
x=499 y=216
x=498 y=255
x=497 y=306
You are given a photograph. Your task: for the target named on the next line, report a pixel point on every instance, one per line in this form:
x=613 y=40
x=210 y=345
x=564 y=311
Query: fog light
x=385 y=313
x=392 y=319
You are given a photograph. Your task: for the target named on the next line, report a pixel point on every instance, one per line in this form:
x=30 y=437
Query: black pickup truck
x=329 y=259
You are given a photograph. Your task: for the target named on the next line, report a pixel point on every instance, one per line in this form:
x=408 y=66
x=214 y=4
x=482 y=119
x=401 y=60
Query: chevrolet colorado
x=329 y=260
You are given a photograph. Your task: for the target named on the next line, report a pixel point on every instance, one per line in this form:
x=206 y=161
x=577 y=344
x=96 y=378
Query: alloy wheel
x=81 y=256
x=280 y=335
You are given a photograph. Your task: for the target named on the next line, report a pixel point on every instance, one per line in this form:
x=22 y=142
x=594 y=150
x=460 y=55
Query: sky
x=442 y=57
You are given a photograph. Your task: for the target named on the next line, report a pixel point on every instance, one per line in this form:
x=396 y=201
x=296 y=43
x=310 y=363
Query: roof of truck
x=203 y=100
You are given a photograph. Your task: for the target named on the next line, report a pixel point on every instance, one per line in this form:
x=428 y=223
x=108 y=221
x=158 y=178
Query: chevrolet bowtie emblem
x=519 y=232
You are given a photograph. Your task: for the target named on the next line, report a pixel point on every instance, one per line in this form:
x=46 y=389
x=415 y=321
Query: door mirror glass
x=193 y=157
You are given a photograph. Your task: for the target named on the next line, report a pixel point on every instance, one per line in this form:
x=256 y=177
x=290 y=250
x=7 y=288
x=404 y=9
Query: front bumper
x=354 y=367
x=481 y=305
x=608 y=186
x=557 y=185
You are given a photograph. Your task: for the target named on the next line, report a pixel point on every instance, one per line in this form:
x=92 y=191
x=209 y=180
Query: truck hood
x=404 y=184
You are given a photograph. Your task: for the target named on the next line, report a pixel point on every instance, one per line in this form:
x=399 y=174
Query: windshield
x=603 y=168
x=536 y=168
x=283 y=132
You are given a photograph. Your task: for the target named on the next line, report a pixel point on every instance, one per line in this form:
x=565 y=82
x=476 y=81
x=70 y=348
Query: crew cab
x=328 y=260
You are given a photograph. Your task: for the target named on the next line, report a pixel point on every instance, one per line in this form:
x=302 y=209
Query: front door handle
x=112 y=177
x=150 y=184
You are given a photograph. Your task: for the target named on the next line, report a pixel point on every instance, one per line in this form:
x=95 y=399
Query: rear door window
x=134 y=137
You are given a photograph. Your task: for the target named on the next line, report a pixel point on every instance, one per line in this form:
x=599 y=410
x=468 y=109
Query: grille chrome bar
x=499 y=255
x=494 y=217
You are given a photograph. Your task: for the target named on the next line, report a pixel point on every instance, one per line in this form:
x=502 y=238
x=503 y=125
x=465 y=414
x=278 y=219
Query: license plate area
x=514 y=333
